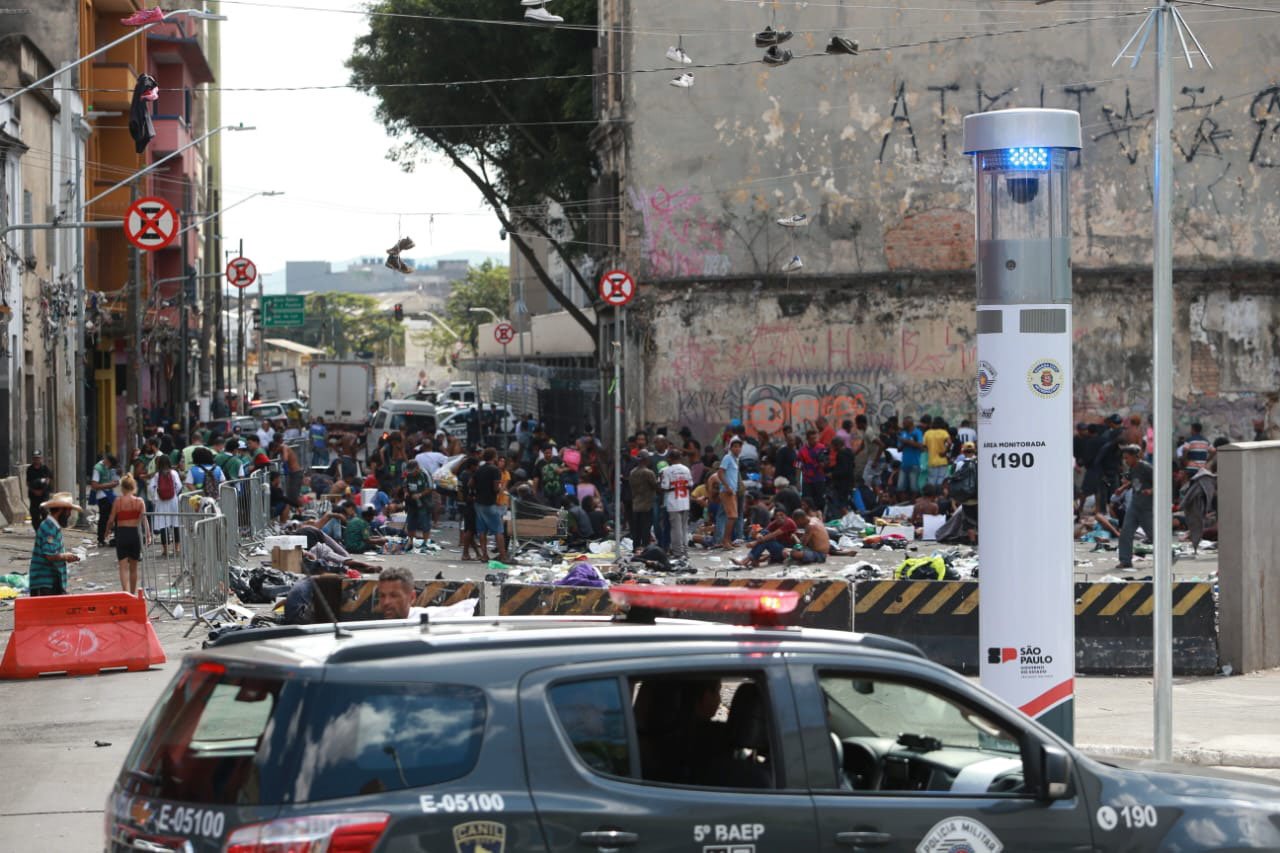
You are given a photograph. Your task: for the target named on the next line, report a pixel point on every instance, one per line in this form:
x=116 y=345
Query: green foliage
x=485 y=286
x=348 y=323
x=507 y=129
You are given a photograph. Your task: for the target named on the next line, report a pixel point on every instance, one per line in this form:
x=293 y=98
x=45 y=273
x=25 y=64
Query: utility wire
x=621 y=73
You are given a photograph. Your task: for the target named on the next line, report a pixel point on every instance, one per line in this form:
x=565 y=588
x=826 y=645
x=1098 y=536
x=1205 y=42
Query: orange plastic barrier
x=80 y=635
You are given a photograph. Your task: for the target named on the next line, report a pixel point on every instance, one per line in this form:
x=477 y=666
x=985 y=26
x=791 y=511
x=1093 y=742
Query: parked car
x=280 y=410
x=239 y=425
x=455 y=421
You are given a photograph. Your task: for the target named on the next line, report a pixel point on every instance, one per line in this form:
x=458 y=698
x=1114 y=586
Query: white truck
x=341 y=392
x=274 y=385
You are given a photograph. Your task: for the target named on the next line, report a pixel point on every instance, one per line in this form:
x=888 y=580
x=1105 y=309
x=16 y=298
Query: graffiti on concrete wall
x=795 y=372
x=679 y=239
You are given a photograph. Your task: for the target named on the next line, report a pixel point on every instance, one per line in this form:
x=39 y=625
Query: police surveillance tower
x=1026 y=628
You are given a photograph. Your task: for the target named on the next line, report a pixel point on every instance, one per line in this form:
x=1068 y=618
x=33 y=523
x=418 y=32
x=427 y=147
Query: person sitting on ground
x=774 y=541
x=599 y=522
x=815 y=542
x=580 y=531
x=926 y=504
x=323 y=548
x=785 y=495
x=356 y=535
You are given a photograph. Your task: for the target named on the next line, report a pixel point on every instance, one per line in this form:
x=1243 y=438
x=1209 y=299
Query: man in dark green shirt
x=417 y=501
x=356 y=537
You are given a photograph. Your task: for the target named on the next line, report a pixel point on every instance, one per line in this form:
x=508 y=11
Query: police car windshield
x=866 y=708
x=223 y=738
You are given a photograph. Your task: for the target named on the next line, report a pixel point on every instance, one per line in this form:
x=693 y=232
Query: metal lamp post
x=1027 y=621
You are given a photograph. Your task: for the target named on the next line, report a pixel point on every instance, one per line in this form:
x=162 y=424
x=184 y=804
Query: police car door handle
x=863 y=838
x=609 y=839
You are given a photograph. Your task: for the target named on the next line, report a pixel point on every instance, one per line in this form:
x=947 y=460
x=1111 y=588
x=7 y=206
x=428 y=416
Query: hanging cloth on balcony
x=140 y=126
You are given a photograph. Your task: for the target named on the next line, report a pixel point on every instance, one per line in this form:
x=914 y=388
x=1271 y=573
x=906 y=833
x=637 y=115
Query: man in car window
x=395 y=593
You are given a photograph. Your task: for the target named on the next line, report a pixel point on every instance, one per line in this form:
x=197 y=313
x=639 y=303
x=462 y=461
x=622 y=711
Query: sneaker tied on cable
x=794 y=221
x=684 y=81
x=676 y=54
x=769 y=36
x=542 y=16
x=404 y=244
x=793 y=265
x=394 y=262
x=839 y=44
x=143 y=17
x=777 y=56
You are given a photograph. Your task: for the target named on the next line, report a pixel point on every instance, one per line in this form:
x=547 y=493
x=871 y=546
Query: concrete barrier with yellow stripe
x=358 y=597
x=823 y=603
x=1113 y=623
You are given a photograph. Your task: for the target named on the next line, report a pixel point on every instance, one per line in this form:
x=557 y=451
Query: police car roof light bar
x=643 y=602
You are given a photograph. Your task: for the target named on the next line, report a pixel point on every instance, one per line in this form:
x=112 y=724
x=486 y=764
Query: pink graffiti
x=678 y=241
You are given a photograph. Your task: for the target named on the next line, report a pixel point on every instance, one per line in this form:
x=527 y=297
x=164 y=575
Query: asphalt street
x=64 y=739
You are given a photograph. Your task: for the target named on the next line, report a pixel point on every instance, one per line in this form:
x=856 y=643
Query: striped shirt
x=1196 y=451
x=45 y=573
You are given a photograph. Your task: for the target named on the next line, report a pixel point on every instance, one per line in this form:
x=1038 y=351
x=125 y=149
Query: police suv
x=644 y=733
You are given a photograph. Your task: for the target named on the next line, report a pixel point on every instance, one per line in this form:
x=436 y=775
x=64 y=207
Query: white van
x=392 y=415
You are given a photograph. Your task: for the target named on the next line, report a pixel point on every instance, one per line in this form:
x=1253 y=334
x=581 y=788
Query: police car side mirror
x=1055 y=773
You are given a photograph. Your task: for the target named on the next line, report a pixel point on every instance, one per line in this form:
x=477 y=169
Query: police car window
x=706 y=730
x=894 y=736
x=591 y=714
x=210 y=738
x=370 y=738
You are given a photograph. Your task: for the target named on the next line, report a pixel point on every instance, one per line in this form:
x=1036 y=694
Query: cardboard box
x=287 y=559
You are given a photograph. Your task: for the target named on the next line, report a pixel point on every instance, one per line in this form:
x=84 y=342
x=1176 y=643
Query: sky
x=326 y=151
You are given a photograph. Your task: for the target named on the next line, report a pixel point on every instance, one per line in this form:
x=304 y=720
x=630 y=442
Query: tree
x=435 y=84
x=485 y=286
x=346 y=324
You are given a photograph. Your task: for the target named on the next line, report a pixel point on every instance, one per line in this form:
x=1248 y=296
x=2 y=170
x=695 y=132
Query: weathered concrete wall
x=869 y=146
x=883 y=344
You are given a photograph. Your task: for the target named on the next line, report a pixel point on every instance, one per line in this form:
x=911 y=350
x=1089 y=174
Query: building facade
x=868 y=148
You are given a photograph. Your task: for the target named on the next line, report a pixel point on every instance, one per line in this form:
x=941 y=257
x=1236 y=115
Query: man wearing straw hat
x=48 y=572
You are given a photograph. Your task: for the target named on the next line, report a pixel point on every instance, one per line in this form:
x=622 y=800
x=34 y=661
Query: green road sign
x=280 y=311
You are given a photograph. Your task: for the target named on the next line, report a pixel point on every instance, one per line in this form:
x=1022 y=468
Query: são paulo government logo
x=986 y=378
x=1045 y=378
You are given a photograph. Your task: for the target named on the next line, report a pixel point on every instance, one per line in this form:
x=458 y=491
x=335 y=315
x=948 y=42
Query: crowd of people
x=770 y=491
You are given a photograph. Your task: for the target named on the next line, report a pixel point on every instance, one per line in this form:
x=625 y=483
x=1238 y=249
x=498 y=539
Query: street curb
x=1198 y=756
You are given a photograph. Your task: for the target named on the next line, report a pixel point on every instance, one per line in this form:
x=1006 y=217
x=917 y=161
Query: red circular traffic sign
x=151 y=223
x=504 y=333
x=241 y=272
x=617 y=288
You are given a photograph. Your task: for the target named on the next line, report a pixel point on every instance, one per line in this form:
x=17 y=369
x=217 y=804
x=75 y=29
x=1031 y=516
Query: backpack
x=963 y=485
x=165 y=489
x=209 y=486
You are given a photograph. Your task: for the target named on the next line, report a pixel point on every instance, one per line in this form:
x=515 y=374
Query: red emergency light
x=763 y=605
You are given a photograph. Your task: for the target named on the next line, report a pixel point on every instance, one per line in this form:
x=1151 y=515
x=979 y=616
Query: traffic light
x=399 y=312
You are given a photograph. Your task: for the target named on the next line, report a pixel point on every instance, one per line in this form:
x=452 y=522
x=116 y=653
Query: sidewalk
x=1218 y=721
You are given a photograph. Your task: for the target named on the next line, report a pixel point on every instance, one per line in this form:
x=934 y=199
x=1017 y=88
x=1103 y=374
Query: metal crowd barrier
x=210 y=581
x=169 y=579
